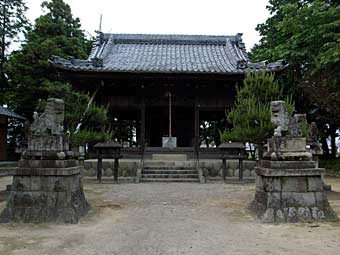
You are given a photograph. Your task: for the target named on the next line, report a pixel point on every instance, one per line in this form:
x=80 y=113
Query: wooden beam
x=146 y=76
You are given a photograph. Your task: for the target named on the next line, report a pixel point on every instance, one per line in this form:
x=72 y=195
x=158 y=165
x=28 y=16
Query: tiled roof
x=4 y=111
x=166 y=54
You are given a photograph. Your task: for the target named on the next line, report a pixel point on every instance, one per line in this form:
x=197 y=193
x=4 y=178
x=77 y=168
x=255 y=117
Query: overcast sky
x=211 y=17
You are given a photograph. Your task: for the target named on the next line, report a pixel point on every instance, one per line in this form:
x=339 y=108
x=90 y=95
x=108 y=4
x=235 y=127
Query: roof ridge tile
x=164 y=54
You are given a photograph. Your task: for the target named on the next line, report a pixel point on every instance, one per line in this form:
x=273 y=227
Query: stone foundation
x=46 y=191
x=290 y=191
x=210 y=167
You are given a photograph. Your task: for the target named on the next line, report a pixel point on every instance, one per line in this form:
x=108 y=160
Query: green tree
x=250 y=117
x=56 y=32
x=307 y=34
x=12 y=22
x=95 y=122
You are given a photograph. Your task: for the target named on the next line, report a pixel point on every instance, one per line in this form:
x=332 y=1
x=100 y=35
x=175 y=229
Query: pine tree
x=250 y=117
x=55 y=33
x=32 y=78
x=12 y=22
x=307 y=35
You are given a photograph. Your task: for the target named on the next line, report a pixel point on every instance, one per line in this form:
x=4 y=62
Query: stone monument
x=47 y=185
x=289 y=186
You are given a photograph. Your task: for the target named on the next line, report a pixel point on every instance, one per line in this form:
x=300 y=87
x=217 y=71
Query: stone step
x=171 y=176
x=159 y=163
x=169 y=168
x=170 y=180
x=170 y=157
x=157 y=167
x=187 y=163
x=7 y=171
x=174 y=171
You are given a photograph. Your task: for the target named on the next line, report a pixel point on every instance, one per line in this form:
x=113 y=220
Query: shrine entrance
x=182 y=125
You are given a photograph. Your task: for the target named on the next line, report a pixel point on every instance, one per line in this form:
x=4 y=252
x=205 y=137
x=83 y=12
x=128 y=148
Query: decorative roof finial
x=100 y=22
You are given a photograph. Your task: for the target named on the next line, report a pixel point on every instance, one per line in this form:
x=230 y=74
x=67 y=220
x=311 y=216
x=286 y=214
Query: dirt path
x=156 y=219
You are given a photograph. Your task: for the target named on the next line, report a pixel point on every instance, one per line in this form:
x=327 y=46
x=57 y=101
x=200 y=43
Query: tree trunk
x=333 y=143
x=325 y=147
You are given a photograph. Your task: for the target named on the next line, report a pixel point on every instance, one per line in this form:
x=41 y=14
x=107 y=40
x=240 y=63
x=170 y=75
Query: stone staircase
x=169 y=169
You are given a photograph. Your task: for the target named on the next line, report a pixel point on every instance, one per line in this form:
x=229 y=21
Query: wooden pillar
x=120 y=130
x=142 y=129
x=170 y=115
x=240 y=167
x=224 y=163
x=99 y=168
x=197 y=124
x=115 y=170
x=138 y=126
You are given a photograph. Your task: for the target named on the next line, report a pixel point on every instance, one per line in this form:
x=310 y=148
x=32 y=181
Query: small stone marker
x=47 y=185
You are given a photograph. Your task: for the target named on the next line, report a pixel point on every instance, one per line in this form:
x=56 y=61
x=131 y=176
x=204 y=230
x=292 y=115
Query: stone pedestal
x=288 y=189
x=47 y=184
x=46 y=191
x=288 y=149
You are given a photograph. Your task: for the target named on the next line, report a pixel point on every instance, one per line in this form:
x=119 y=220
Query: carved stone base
x=49 y=194
x=287 y=149
x=290 y=195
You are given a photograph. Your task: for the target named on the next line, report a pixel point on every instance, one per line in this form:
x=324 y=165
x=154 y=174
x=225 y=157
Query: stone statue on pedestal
x=279 y=117
x=47 y=185
x=47 y=129
x=289 y=186
x=287 y=142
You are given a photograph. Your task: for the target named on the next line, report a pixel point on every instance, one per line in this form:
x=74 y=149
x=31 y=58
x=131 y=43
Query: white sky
x=210 y=17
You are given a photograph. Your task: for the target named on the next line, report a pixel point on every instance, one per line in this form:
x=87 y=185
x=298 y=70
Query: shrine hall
x=160 y=89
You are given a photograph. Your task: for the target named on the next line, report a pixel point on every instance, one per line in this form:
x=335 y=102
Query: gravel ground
x=181 y=218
